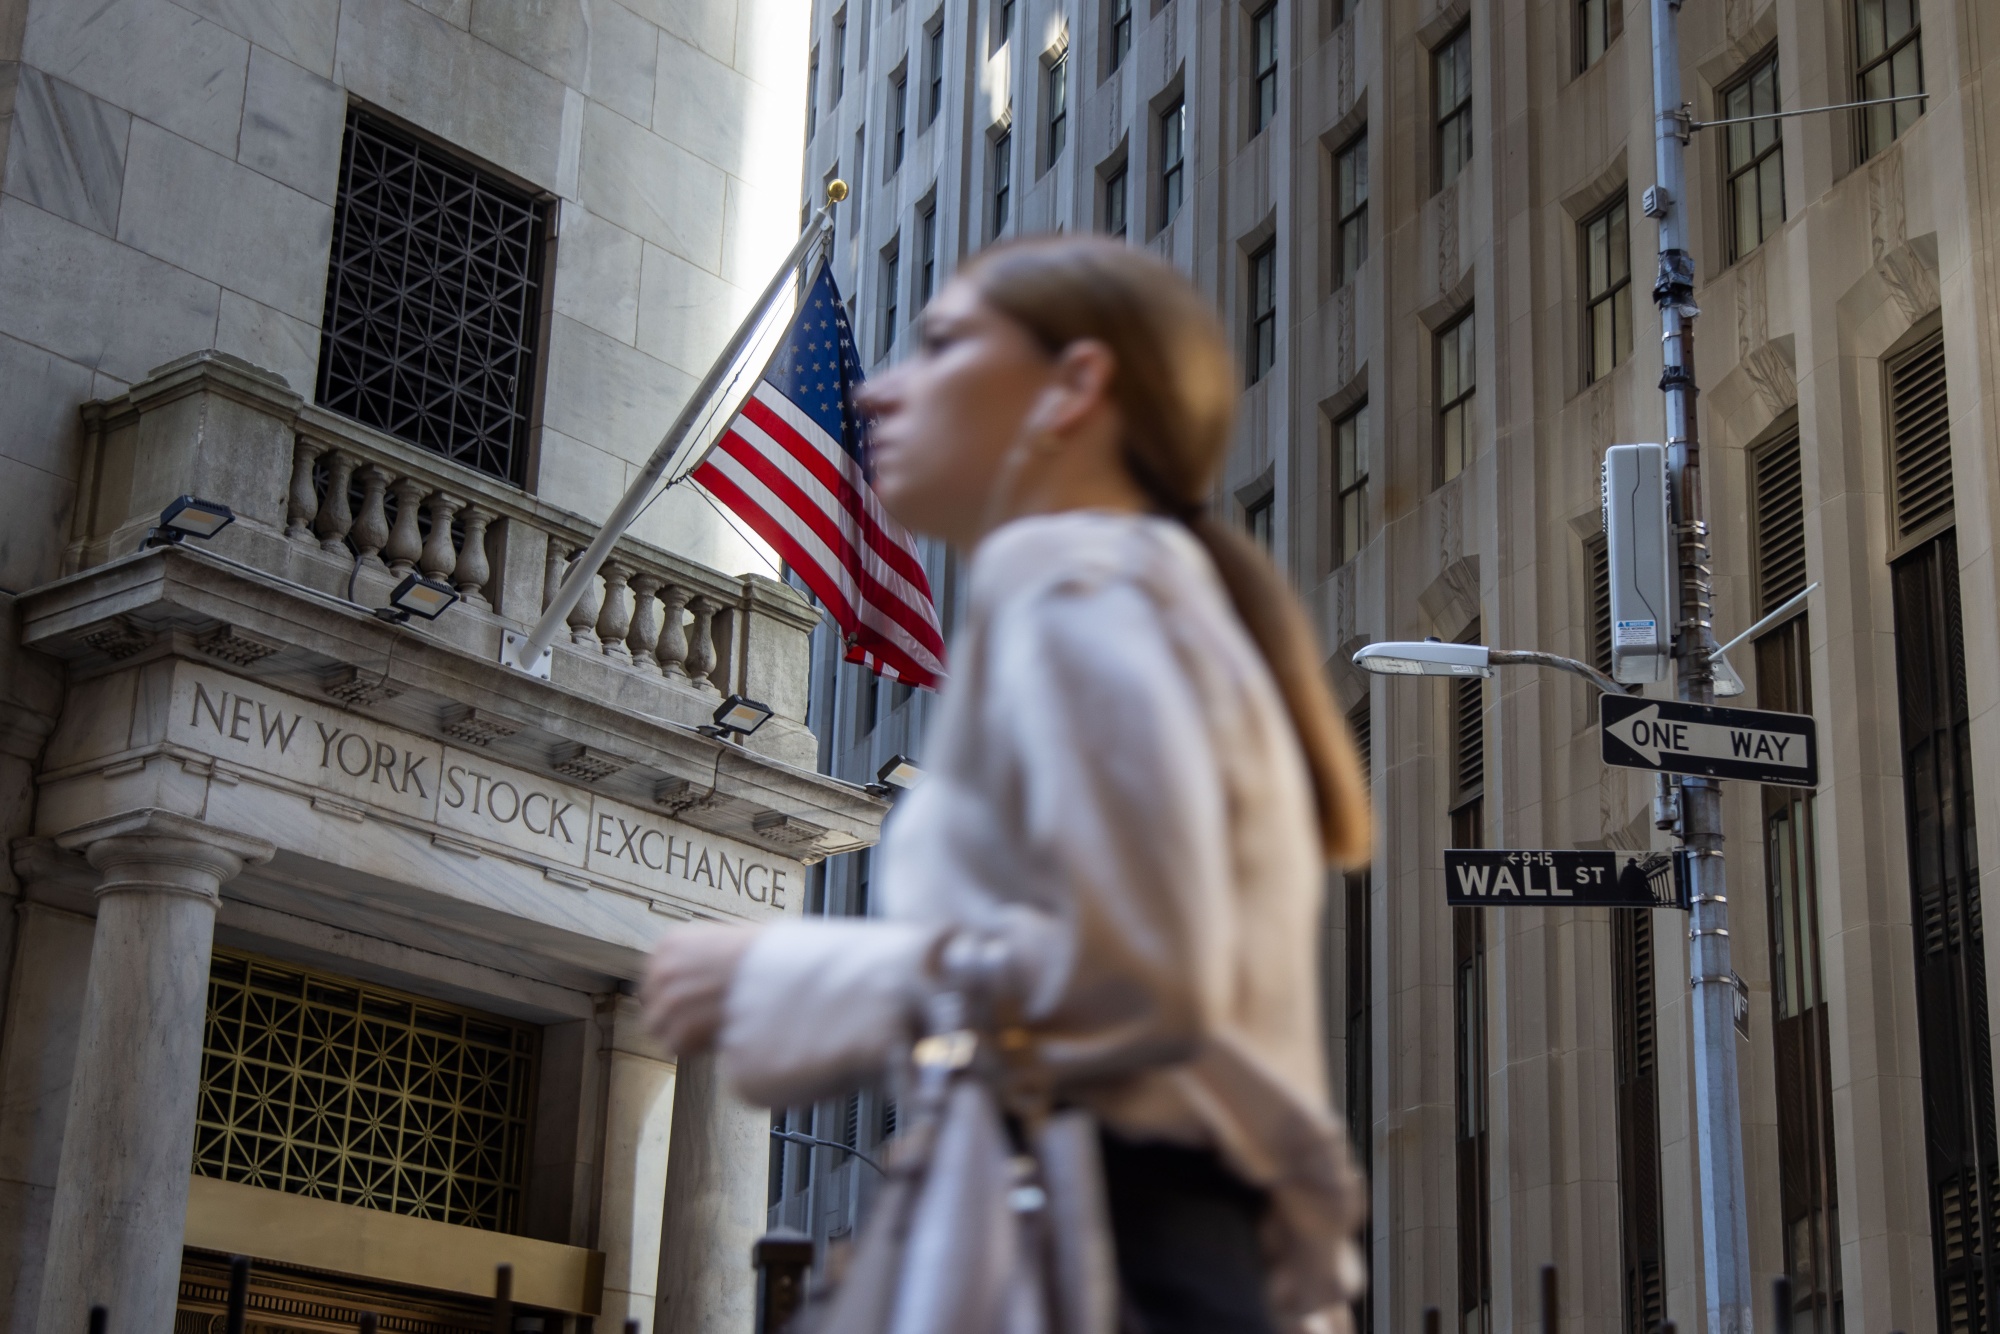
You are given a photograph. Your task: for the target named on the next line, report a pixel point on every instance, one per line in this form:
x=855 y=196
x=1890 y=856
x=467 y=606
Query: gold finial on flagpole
x=836 y=190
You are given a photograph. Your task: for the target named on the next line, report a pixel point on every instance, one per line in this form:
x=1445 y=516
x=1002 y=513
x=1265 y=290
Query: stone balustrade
x=652 y=615
x=324 y=501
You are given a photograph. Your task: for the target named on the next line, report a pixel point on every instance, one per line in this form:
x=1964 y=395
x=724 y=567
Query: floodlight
x=1428 y=657
x=737 y=716
x=417 y=596
x=190 y=517
x=900 y=772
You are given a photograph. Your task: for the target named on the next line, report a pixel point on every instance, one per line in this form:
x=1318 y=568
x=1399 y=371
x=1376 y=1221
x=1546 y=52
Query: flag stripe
x=837 y=471
x=833 y=556
x=796 y=488
x=790 y=464
x=920 y=670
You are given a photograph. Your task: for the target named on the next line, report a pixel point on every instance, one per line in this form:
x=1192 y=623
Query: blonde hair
x=1176 y=387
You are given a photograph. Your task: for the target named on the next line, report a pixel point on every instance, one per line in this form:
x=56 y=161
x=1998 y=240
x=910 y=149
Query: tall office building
x=322 y=927
x=1422 y=224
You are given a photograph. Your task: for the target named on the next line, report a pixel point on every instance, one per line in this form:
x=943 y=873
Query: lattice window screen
x=433 y=300
x=1920 y=439
x=321 y=1086
x=1777 y=503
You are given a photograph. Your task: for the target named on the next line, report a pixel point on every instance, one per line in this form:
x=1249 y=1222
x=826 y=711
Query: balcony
x=331 y=515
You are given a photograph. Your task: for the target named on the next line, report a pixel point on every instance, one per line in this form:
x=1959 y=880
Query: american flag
x=793 y=465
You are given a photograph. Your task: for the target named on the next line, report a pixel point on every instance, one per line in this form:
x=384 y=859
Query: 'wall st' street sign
x=1561 y=878
x=1666 y=736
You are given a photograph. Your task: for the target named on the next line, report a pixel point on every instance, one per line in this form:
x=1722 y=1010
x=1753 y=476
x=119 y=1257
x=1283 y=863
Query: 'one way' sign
x=1670 y=737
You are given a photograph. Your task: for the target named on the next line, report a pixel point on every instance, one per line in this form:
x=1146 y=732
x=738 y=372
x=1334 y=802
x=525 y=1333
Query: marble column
x=37 y=1054
x=122 y=1185
x=638 y=1126
x=718 y=1197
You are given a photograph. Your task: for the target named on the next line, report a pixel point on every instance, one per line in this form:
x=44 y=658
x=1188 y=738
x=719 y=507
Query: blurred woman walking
x=1110 y=882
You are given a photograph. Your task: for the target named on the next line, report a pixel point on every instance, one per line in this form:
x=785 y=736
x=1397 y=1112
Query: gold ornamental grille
x=321 y=1086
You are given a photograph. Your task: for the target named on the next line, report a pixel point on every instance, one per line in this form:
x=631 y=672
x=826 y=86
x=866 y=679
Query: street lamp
x=1434 y=657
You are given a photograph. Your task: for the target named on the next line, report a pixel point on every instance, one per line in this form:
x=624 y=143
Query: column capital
x=161 y=852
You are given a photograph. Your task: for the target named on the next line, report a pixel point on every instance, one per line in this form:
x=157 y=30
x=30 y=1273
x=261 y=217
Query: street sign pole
x=1725 y=1233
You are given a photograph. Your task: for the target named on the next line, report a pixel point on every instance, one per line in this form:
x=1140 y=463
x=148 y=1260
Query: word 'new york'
x=255 y=722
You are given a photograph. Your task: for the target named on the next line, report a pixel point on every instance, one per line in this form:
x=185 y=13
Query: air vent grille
x=1600 y=604
x=1920 y=438
x=1778 y=508
x=1364 y=740
x=1468 y=726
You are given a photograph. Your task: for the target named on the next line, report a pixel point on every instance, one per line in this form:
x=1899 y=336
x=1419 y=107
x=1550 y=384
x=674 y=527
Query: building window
x=1451 y=106
x=1115 y=192
x=1358 y=1097
x=1350 y=481
x=866 y=699
x=433 y=301
x=1173 y=158
x=1058 y=103
x=1003 y=179
x=892 y=281
x=839 y=55
x=926 y=254
x=1003 y=22
x=1636 y=1058
x=812 y=94
x=1598 y=23
x=1260 y=518
x=1890 y=59
x=1807 y=1192
x=1455 y=384
x=1341 y=12
x=934 y=97
x=899 y=117
x=1938 y=799
x=1264 y=67
x=1350 y=232
x=1121 y=33
x=1263 y=349
x=1607 y=292
x=1468 y=930
x=1755 y=158
x=321 y=1086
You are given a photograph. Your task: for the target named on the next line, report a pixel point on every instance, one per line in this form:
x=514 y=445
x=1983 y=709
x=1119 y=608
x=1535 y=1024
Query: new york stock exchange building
x=324 y=926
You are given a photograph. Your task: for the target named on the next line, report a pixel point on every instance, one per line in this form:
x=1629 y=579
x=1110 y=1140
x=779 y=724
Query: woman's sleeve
x=815 y=1008
x=1124 y=809
x=1116 y=952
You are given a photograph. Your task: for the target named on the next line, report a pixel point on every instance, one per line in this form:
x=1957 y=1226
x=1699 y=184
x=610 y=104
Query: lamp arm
x=815 y=1142
x=1504 y=657
x=1771 y=618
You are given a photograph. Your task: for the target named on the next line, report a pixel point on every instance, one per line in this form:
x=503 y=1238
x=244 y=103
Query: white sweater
x=1114 y=789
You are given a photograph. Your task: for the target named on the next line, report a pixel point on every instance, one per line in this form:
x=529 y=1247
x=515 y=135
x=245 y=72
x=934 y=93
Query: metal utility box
x=1638 y=539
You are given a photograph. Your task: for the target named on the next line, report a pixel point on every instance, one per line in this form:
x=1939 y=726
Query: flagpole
x=531 y=653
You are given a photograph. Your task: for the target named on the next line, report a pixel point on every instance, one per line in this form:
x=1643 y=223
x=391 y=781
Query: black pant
x=1186 y=1232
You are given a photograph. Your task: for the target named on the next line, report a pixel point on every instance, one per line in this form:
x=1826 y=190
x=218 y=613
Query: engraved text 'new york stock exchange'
x=374 y=765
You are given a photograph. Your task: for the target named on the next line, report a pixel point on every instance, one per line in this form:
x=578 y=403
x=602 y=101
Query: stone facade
x=220 y=746
x=1874 y=246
